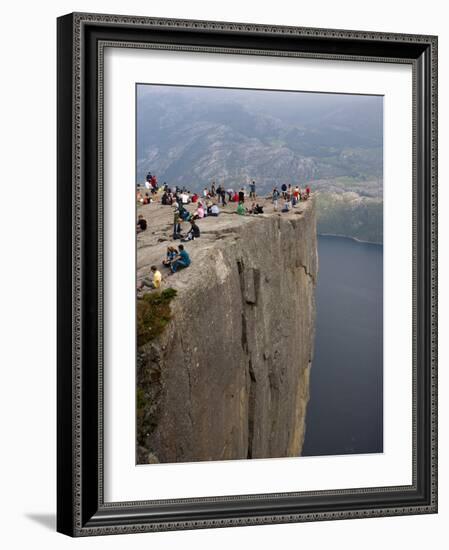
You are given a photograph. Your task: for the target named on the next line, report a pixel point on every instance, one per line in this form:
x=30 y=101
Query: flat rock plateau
x=228 y=378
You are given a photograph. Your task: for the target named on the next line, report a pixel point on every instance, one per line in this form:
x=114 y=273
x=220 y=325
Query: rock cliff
x=229 y=376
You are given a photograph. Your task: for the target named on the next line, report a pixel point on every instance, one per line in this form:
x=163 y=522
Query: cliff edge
x=229 y=376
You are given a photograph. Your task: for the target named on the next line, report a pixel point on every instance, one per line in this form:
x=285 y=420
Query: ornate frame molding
x=74 y=509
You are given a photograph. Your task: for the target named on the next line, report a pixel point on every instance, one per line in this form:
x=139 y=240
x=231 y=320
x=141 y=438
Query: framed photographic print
x=247 y=288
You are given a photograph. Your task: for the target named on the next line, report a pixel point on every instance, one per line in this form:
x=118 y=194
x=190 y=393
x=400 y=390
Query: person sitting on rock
x=194 y=232
x=286 y=207
x=181 y=261
x=185 y=198
x=153 y=283
x=214 y=210
x=258 y=209
x=252 y=210
x=141 y=224
x=241 y=209
x=172 y=252
x=200 y=211
x=208 y=205
x=164 y=198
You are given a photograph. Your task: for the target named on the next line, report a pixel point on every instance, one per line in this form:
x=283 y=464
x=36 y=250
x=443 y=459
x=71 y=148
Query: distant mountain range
x=192 y=136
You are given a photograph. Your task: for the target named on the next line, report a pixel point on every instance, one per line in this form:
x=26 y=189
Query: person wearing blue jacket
x=181 y=261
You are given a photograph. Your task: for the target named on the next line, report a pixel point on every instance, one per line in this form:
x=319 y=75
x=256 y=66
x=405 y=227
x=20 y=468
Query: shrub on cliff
x=153 y=314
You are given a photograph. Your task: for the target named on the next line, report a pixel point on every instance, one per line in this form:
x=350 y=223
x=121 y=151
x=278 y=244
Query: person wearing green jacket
x=241 y=209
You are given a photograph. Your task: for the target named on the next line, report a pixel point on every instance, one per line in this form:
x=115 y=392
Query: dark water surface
x=344 y=414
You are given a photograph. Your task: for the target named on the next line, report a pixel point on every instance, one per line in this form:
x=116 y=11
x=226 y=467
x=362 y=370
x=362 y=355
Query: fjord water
x=345 y=411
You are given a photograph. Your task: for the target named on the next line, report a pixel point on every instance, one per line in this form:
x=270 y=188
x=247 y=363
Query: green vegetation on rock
x=153 y=314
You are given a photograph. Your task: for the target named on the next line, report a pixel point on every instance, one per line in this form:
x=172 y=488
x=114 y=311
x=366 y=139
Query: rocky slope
x=229 y=376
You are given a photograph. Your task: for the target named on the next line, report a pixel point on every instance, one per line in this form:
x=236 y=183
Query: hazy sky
x=291 y=106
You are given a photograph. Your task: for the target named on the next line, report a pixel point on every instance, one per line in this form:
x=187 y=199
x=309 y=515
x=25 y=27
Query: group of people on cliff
x=169 y=195
x=291 y=196
x=206 y=205
x=175 y=259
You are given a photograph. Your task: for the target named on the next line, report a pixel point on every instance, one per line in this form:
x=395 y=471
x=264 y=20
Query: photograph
x=259 y=273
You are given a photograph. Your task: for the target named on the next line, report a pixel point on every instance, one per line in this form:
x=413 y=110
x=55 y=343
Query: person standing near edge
x=275 y=198
x=284 y=191
x=252 y=190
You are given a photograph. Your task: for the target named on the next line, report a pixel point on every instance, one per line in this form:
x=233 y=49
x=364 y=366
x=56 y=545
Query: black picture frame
x=81 y=510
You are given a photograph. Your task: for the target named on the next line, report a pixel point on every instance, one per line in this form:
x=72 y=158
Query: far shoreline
x=348 y=237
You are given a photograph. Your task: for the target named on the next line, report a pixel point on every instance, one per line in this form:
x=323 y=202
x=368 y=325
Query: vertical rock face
x=229 y=377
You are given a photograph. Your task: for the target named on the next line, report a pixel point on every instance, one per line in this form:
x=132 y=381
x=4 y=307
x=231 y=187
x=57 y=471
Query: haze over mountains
x=190 y=136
